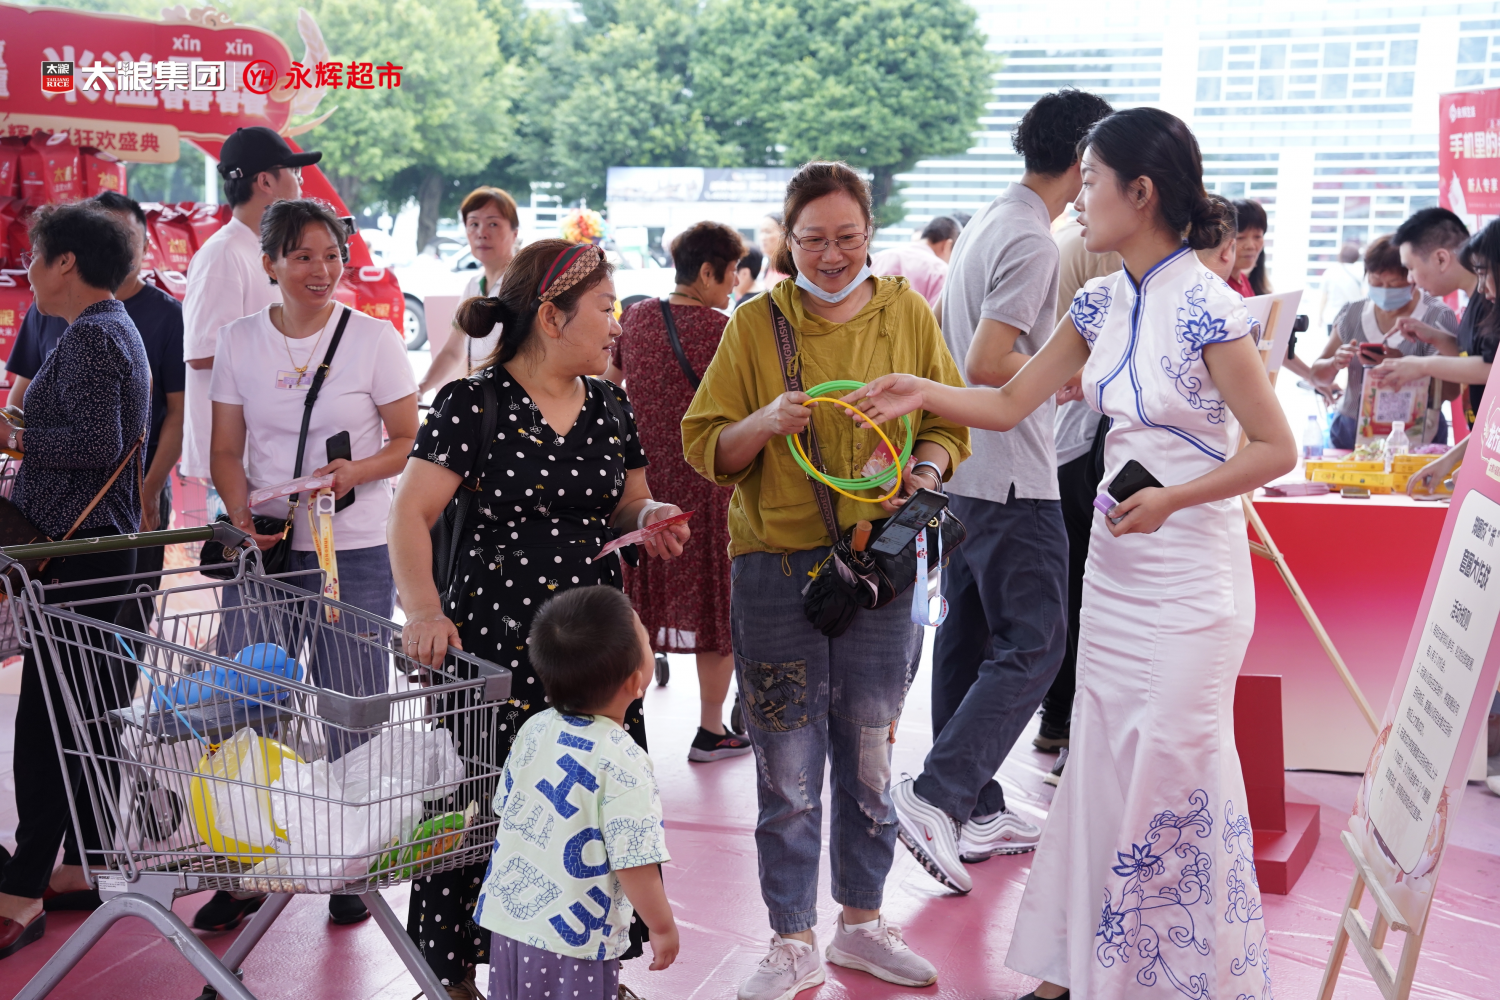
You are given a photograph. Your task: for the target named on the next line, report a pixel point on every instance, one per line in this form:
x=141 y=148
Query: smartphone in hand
x=339 y=447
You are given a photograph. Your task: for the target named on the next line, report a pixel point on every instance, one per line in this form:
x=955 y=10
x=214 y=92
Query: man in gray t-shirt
x=998 y=651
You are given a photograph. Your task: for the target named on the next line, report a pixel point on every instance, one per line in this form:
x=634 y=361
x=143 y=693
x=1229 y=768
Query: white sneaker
x=931 y=835
x=881 y=953
x=791 y=967
x=1002 y=833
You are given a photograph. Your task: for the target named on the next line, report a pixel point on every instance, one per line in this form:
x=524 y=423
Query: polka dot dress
x=541 y=513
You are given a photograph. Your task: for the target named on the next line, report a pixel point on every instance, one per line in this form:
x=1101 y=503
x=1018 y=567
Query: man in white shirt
x=225 y=280
x=1343 y=283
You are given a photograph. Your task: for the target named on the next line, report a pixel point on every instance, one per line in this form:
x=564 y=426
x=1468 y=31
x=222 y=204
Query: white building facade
x=1325 y=110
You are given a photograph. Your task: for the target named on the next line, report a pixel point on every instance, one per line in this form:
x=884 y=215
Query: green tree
x=628 y=100
x=879 y=83
x=449 y=117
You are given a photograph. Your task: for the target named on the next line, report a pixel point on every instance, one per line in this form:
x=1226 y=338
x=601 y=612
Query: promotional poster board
x=1417 y=771
x=141 y=125
x=1469 y=153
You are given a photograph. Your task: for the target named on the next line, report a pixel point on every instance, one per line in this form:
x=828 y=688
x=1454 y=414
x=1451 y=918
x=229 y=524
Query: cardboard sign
x=1417 y=770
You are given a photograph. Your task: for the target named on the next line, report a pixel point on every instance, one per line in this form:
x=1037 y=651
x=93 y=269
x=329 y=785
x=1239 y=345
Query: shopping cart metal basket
x=260 y=738
x=10 y=637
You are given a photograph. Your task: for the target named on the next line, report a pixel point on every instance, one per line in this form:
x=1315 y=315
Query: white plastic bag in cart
x=338 y=817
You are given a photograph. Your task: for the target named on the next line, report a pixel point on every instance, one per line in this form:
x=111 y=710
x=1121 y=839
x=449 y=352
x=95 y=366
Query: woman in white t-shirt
x=491 y=224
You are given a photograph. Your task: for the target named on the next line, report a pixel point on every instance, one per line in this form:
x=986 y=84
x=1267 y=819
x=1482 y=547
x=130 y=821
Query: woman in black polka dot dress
x=564 y=474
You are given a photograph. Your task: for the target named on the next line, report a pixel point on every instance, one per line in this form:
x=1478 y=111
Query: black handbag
x=847 y=580
x=216 y=561
x=448 y=530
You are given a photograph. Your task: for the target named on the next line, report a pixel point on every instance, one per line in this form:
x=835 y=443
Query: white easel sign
x=1418 y=768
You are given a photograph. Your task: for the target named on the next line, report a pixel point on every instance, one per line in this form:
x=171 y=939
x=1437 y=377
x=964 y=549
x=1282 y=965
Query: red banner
x=32 y=36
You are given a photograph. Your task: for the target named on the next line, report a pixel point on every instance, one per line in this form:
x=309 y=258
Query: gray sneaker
x=791 y=967
x=1002 y=833
x=931 y=835
x=881 y=953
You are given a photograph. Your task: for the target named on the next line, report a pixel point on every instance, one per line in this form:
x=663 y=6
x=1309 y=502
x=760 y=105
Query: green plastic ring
x=881 y=478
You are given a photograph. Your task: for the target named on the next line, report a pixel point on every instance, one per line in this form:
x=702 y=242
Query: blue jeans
x=998 y=652
x=354 y=668
x=808 y=699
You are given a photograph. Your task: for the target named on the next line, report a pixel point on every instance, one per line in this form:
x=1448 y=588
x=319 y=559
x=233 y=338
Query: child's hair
x=584 y=645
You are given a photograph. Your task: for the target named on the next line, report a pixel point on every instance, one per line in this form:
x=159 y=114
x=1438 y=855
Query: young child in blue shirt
x=581 y=835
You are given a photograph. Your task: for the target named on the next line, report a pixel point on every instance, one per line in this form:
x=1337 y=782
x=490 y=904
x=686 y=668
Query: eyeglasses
x=27 y=257
x=817 y=244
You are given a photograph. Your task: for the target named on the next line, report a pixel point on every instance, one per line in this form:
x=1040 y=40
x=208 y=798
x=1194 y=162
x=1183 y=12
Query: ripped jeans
x=808 y=699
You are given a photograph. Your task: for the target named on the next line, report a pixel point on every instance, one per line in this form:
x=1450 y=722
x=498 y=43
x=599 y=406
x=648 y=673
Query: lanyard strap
x=928 y=609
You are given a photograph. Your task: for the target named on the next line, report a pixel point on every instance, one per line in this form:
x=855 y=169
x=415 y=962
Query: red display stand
x=1285 y=832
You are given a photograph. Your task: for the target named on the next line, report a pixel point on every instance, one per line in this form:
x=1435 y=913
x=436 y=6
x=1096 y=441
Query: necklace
x=287 y=343
x=690 y=294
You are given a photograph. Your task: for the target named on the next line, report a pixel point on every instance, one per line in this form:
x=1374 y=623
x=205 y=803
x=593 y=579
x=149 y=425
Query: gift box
x=101 y=172
x=171 y=236
x=50 y=170
x=15 y=299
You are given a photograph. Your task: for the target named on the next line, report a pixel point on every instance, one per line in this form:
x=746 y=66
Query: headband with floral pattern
x=571 y=266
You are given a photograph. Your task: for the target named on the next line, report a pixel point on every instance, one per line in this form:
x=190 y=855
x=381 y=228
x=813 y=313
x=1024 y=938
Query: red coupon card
x=649 y=531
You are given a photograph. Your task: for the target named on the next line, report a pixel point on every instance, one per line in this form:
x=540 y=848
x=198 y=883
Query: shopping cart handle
x=496 y=679
x=226 y=534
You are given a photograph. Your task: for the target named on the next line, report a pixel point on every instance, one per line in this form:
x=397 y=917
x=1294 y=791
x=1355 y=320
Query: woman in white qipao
x=1144 y=881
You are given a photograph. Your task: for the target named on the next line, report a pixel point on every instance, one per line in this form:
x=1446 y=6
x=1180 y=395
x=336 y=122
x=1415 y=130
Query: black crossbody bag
x=847 y=580
x=676 y=342
x=448 y=531
x=218 y=562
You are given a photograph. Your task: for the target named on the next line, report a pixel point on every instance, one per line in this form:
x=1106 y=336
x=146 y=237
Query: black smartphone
x=901 y=527
x=339 y=447
x=1127 y=483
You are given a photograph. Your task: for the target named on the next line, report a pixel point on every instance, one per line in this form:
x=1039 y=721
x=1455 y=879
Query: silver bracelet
x=937 y=474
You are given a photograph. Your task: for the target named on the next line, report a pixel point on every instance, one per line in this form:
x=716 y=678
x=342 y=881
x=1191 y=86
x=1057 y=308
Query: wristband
x=646 y=508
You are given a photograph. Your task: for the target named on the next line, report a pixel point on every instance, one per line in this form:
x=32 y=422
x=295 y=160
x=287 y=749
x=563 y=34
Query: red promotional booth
x=59 y=145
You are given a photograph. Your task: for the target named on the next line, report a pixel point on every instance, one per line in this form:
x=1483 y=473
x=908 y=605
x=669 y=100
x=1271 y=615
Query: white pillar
x=210 y=180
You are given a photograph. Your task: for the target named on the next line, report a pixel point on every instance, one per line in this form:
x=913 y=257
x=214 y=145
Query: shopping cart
x=250 y=744
x=10 y=637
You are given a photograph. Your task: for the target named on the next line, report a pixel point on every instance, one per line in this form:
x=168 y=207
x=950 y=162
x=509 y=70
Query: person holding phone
x=1369 y=331
x=263 y=367
x=1153 y=798
x=810 y=700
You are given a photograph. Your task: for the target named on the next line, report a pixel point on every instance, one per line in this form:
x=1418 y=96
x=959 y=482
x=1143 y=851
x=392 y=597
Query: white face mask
x=833 y=298
x=1389 y=299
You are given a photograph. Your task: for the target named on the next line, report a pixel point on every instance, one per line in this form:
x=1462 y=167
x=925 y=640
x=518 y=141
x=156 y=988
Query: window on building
x=1356 y=234
x=1469 y=78
x=1473 y=50
x=1336 y=54
x=1211 y=57
x=1404 y=52
x=1268 y=88
x=1357 y=207
x=1208 y=88
x=1335 y=85
x=1273 y=57
x=1399 y=84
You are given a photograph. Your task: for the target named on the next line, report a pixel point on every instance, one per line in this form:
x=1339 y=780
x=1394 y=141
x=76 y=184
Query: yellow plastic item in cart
x=245 y=766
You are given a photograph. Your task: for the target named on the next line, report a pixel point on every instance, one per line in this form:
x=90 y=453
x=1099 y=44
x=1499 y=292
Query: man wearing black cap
x=225 y=280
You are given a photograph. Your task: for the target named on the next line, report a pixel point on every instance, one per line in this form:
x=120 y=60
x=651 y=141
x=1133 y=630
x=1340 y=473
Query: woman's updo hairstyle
x=808 y=184
x=1149 y=142
x=514 y=306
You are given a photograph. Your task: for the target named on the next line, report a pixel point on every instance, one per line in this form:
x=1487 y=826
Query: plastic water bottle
x=1396 y=443
x=1312 y=438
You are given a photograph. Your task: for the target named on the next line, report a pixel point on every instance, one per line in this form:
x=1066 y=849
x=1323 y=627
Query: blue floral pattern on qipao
x=1196 y=327
x=1089 y=311
x=1242 y=906
x=1168 y=892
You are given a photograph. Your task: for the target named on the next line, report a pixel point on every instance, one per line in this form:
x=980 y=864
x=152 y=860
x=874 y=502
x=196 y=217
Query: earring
x=273 y=280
